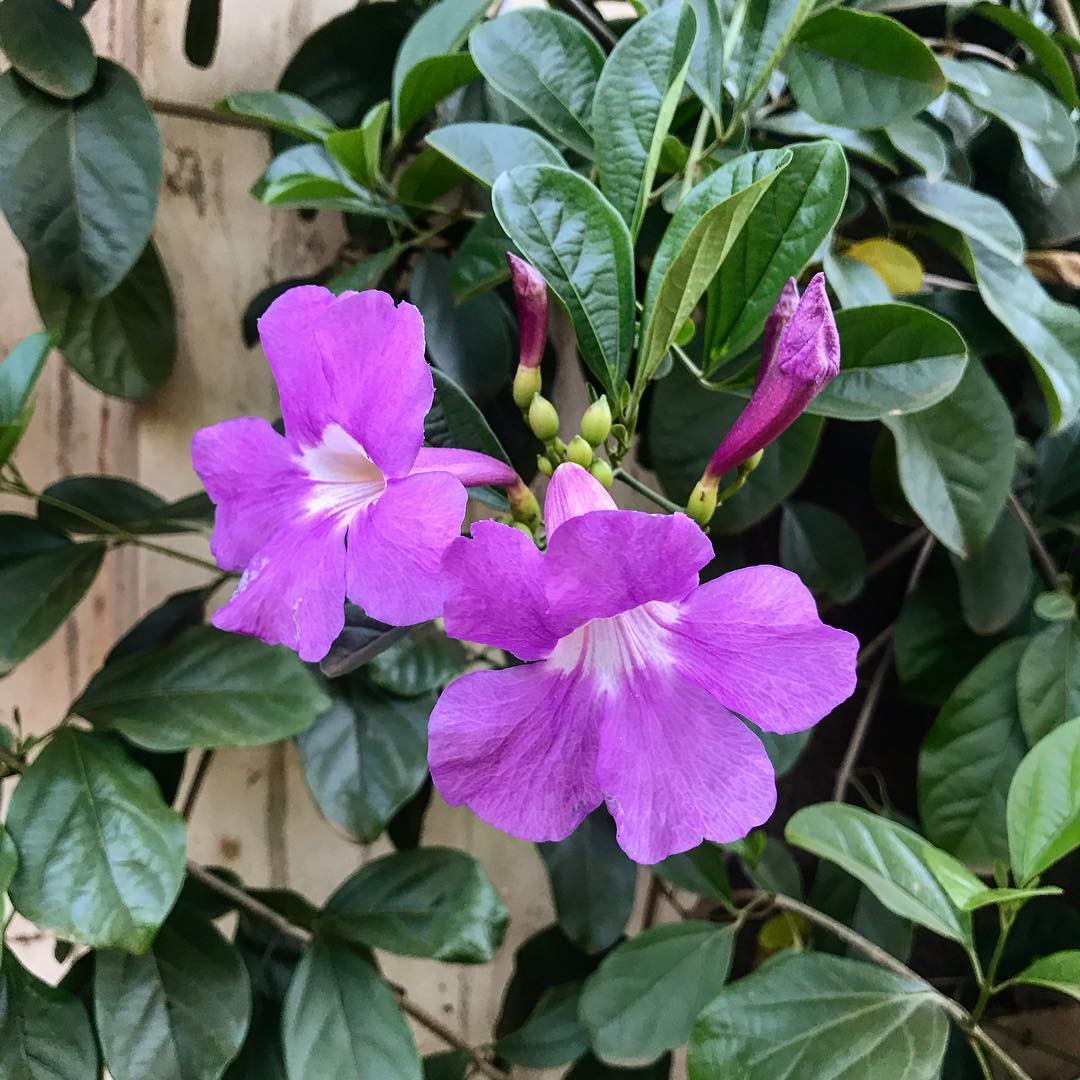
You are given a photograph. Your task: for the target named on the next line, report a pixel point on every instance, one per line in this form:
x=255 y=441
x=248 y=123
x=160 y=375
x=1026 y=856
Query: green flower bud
x=544 y=465
x=522 y=527
x=526 y=386
x=579 y=452
x=543 y=419
x=601 y=471
x=596 y=423
x=523 y=504
x=702 y=504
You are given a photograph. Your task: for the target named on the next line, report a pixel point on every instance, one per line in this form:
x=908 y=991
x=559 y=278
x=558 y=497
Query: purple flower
x=348 y=503
x=638 y=676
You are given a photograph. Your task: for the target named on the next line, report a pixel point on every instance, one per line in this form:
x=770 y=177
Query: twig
x=1049 y=568
x=249 y=904
x=874 y=646
x=206 y=757
x=971 y=48
x=885 y=560
x=652 y=902
x=643 y=489
x=589 y=18
x=187 y=111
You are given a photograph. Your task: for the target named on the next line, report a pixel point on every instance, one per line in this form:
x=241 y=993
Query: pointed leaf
x=47 y=44
x=281 y=111
x=19 y=373
x=485 y=151
x=1048 y=681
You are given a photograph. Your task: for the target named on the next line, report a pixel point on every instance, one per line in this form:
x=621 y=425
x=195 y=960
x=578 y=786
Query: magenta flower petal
x=677 y=768
x=468 y=466
x=519 y=747
x=495 y=593
x=396 y=547
x=293 y=590
x=573 y=491
x=531 y=298
x=754 y=640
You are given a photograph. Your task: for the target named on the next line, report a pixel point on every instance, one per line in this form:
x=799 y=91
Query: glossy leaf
x=956 y=461
x=366 y=756
x=455 y=422
x=887 y=858
x=179 y=1012
x=281 y=111
x=205 y=688
x=922 y=144
x=432 y=902
x=111 y=500
x=47 y=44
x=1058 y=971
x=767 y=31
x=1044 y=804
x=101 y=856
x=592 y=881
x=553 y=1034
x=124 y=343
x=577 y=240
x=359 y=149
x=79 y=179
x=796 y=124
x=995 y=580
x=823 y=549
x=645 y=995
x=814 y=1015
x=485 y=151
x=19 y=374
x=547 y=64
x=479 y=264
x=1048 y=681
x=701 y=870
x=430 y=81
x=419 y=664
x=855 y=283
x=968 y=759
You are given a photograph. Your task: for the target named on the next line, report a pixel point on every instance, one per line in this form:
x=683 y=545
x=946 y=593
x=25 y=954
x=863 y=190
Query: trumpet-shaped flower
x=348 y=503
x=637 y=681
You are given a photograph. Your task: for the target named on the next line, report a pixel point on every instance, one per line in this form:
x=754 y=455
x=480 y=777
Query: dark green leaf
x=123 y=343
x=281 y=111
x=700 y=870
x=577 y=240
x=448 y=1065
x=9 y=860
x=427 y=178
x=366 y=757
x=995 y=580
x=180 y=1011
x=816 y=1016
x=112 y=501
x=871 y=145
x=485 y=151
x=423 y=662
x=592 y=1068
x=846 y=899
x=431 y=902
x=922 y=144
x=47 y=44
x=767 y=30
x=548 y=65
x=1049 y=680
x=341 y=1019
x=454 y=421
x=431 y=80
x=646 y=994
x=101 y=856
x=552 y=1035
x=823 y=549
x=368 y=273
x=480 y=263
x=361 y=640
x=79 y=179
x=201 y=31
x=207 y=689
x=592 y=881
x=18 y=375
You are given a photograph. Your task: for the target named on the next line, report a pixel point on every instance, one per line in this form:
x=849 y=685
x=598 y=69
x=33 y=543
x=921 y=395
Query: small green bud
x=543 y=419
x=579 y=452
x=702 y=504
x=526 y=386
x=596 y=423
x=544 y=465
x=523 y=504
x=752 y=462
x=522 y=527
x=601 y=471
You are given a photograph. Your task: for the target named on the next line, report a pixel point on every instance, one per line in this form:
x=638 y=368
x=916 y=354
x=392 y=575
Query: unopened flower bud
x=522 y=527
x=523 y=504
x=702 y=504
x=543 y=419
x=579 y=452
x=596 y=423
x=530 y=295
x=601 y=471
x=526 y=385
x=544 y=464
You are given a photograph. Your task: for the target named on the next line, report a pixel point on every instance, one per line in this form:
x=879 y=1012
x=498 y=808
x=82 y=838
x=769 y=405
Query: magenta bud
x=800 y=356
x=530 y=294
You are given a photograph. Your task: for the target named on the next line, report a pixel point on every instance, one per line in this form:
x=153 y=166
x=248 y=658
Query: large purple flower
x=349 y=502
x=638 y=674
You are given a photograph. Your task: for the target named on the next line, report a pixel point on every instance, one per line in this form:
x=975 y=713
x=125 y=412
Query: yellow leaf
x=896 y=265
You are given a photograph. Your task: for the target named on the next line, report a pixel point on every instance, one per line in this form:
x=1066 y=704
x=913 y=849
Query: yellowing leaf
x=895 y=264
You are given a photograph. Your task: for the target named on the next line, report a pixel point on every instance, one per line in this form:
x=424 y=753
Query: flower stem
x=644 y=489
x=1049 y=568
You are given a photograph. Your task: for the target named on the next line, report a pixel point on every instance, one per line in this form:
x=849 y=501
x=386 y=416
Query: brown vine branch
x=206 y=758
x=256 y=908
x=1049 y=568
x=202 y=113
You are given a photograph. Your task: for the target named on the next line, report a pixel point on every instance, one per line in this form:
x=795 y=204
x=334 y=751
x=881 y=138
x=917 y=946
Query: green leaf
x=645 y=995
x=968 y=759
x=995 y=580
x=922 y=144
x=427 y=178
x=1058 y=971
x=179 y=1012
x=368 y=273
x=698 y=239
x=788 y=225
x=1009 y=896
x=847 y=900
x=207 y=689
x=341 y=1019
x=547 y=64
x=113 y=501
x=281 y=111
x=79 y=179
x=366 y=757
x=47 y=44
x=861 y=70
x=455 y=422
x=42 y=577
x=9 y=860
x=423 y=73
x=1048 y=330
x=978 y=216
x=101 y=856
x=479 y=264
x=1048 y=681
x=811 y=1015
x=889 y=859
x=18 y=375
x=635 y=100
x=591 y=1068
x=552 y=1035
x=123 y=343
x=701 y=870
x=767 y=30
x=824 y=550
x=956 y=461
x=423 y=662
x=592 y=882
x=485 y=151
x=1044 y=804
x=871 y=145
x=359 y=149
x=432 y=902
x=855 y=283
x=895 y=359
x=581 y=245
x=45 y=1033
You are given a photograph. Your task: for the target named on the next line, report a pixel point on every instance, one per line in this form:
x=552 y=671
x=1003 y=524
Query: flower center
x=344 y=478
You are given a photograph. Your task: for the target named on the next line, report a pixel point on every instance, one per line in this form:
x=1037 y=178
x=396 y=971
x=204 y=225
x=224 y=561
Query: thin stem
x=200 y=112
x=971 y=48
x=987 y=989
x=589 y=18
x=206 y=758
x=980 y=1057
x=696 y=148
x=874 y=646
x=894 y=554
x=249 y=904
x=644 y=489
x=862 y=725
x=652 y=902
x=1049 y=568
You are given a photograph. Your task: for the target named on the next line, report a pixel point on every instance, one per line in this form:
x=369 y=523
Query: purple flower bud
x=530 y=292
x=800 y=355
